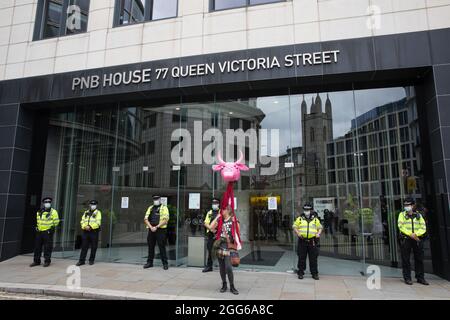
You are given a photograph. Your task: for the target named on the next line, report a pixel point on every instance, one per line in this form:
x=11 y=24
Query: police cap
x=47 y=199
x=93 y=202
x=409 y=201
x=307 y=206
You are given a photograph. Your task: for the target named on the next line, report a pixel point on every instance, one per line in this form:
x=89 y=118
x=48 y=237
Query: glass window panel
x=252 y=2
x=131 y=11
x=164 y=9
x=52 y=19
x=227 y=4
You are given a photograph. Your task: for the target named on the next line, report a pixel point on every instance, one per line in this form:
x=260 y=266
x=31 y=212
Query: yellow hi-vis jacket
x=47 y=220
x=209 y=216
x=409 y=225
x=308 y=228
x=163 y=214
x=94 y=220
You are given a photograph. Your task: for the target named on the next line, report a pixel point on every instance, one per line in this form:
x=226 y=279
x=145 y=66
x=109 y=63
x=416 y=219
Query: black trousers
x=406 y=246
x=44 y=239
x=210 y=237
x=226 y=269
x=307 y=248
x=157 y=237
x=89 y=239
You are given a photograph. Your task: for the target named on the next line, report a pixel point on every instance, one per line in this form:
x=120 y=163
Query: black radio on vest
x=154 y=216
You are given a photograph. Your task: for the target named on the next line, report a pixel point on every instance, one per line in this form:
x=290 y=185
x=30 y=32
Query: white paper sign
x=194 y=200
x=272 y=203
x=124 y=204
x=320 y=204
x=164 y=201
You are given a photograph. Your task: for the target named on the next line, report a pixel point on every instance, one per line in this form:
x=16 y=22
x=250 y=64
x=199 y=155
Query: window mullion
x=63 y=19
x=149 y=10
x=44 y=19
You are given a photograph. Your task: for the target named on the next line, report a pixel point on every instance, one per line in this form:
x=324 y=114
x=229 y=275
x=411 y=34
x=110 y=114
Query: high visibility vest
x=209 y=217
x=47 y=220
x=308 y=228
x=163 y=214
x=409 y=225
x=93 y=220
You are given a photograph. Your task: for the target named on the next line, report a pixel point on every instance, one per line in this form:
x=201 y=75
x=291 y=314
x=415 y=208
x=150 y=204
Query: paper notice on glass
x=124 y=204
x=194 y=201
x=164 y=201
x=272 y=203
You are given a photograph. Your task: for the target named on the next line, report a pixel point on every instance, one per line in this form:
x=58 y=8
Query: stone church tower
x=317 y=129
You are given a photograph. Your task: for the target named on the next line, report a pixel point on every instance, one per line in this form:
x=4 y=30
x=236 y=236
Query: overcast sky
x=278 y=116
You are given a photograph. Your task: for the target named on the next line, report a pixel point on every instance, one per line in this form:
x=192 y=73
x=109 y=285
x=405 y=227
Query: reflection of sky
x=164 y=9
x=278 y=116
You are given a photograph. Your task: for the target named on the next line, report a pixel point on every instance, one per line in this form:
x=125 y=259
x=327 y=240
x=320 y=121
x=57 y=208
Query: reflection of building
x=317 y=127
x=386 y=138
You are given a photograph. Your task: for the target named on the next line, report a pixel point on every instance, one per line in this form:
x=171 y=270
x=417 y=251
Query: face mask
x=215 y=207
x=156 y=202
x=47 y=205
x=408 y=209
x=93 y=207
x=307 y=213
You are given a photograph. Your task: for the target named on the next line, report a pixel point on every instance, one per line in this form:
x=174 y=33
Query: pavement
x=128 y=281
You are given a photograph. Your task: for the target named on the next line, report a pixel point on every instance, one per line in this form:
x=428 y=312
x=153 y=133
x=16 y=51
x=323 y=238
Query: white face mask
x=93 y=207
x=408 y=208
x=215 y=207
x=307 y=213
x=47 y=205
x=156 y=202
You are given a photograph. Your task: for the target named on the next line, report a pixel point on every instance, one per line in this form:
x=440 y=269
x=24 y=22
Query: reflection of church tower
x=317 y=131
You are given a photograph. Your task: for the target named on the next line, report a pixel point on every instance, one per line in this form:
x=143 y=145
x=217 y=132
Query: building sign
x=148 y=75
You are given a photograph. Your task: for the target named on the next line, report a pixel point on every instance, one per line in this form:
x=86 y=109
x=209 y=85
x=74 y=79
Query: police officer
x=412 y=229
x=47 y=220
x=308 y=229
x=211 y=232
x=156 y=219
x=90 y=226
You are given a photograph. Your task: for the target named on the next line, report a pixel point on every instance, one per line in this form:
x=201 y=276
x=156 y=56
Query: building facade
x=341 y=103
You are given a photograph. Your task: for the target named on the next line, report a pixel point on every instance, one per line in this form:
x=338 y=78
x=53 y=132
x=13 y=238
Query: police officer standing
x=90 y=226
x=308 y=229
x=211 y=232
x=412 y=228
x=47 y=220
x=156 y=219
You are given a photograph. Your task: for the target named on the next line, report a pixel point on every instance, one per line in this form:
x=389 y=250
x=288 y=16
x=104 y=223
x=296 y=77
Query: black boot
x=207 y=269
x=148 y=265
x=34 y=264
x=408 y=282
x=233 y=290
x=224 y=287
x=80 y=263
x=423 y=281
